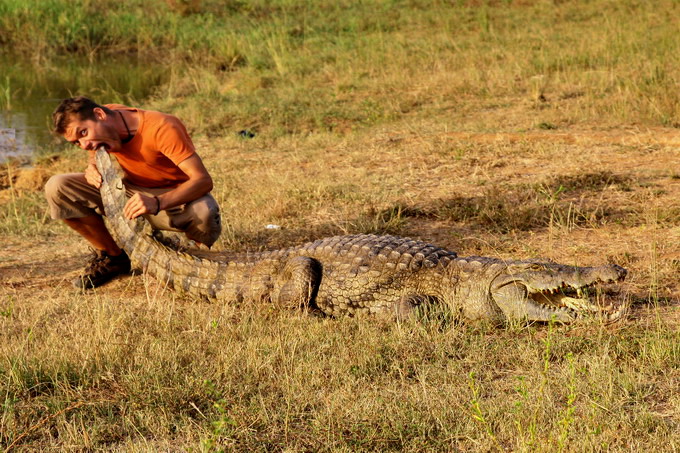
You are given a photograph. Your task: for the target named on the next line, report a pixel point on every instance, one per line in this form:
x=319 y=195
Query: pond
x=30 y=91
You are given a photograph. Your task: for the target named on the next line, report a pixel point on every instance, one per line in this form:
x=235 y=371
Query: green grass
x=298 y=67
x=6 y=94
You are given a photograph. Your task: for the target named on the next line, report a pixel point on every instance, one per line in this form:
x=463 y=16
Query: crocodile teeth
x=579 y=304
x=617 y=314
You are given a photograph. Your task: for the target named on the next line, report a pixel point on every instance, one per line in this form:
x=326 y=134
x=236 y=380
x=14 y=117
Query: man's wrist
x=158 y=205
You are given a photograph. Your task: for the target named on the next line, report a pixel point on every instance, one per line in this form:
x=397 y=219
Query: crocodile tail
x=183 y=271
x=126 y=232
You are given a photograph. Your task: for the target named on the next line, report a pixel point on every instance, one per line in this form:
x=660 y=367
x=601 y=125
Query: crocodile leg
x=406 y=306
x=297 y=283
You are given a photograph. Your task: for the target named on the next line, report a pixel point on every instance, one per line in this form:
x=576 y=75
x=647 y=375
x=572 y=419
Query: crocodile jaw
x=545 y=291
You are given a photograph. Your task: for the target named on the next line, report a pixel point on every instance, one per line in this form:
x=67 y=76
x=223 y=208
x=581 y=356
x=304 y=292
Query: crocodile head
x=541 y=291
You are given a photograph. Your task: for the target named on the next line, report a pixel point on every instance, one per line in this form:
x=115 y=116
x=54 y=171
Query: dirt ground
x=156 y=370
x=639 y=228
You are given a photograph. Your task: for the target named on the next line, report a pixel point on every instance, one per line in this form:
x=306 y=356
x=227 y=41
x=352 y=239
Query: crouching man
x=165 y=180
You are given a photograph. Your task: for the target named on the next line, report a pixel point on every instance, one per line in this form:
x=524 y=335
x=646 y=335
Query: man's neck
x=129 y=126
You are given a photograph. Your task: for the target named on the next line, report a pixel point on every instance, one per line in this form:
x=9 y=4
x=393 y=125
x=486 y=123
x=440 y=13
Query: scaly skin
x=349 y=275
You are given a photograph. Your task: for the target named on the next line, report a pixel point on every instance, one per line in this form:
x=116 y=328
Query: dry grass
x=513 y=129
x=134 y=367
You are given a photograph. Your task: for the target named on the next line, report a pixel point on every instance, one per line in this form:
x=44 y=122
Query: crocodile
x=381 y=275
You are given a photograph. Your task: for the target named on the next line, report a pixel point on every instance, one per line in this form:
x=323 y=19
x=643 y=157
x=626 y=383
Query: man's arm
x=198 y=184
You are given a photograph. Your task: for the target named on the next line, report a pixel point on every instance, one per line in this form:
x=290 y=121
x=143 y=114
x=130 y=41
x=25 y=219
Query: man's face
x=91 y=134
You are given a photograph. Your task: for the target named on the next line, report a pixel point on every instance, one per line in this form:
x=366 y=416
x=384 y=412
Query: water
x=29 y=92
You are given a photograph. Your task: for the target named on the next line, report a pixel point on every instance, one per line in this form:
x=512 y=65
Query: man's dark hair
x=79 y=106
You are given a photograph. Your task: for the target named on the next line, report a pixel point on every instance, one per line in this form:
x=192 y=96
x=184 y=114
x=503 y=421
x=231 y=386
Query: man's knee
x=210 y=222
x=206 y=223
x=69 y=196
x=54 y=186
x=207 y=213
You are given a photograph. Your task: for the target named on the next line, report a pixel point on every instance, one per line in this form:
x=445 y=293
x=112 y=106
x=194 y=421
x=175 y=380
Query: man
x=165 y=180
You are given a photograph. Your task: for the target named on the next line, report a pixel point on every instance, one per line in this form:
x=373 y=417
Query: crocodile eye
x=535 y=267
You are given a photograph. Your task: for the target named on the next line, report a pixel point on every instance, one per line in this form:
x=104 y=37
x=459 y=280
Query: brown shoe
x=101 y=269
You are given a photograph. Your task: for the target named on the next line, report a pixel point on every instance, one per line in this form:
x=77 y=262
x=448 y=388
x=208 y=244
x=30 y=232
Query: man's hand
x=140 y=204
x=92 y=176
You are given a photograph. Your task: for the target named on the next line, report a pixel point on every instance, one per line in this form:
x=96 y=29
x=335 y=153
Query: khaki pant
x=69 y=196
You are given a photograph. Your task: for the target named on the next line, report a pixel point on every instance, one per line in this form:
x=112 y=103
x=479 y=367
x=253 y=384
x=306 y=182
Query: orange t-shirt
x=151 y=158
